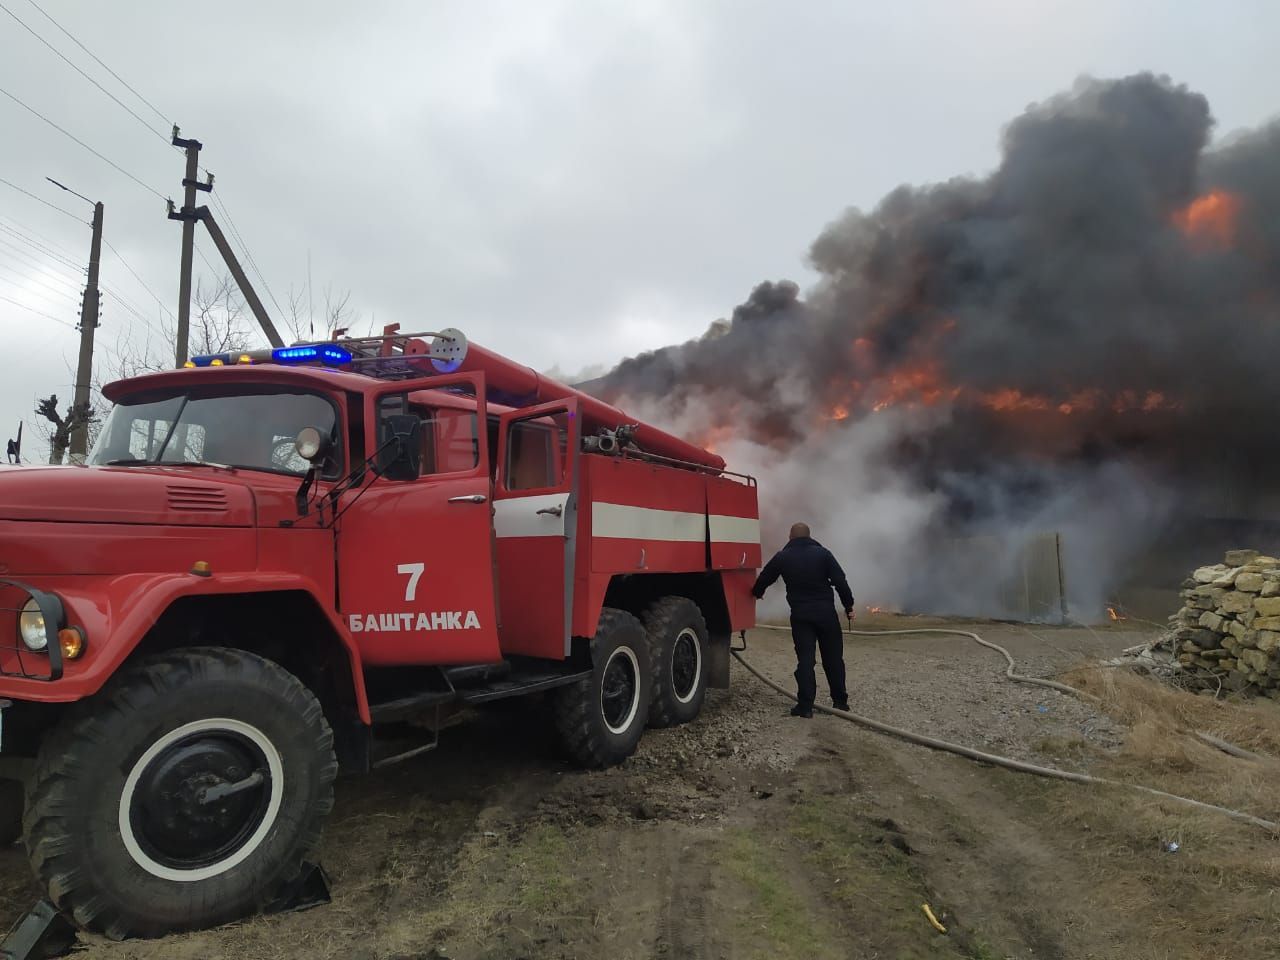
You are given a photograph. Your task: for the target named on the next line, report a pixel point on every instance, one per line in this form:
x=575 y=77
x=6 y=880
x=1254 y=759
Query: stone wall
x=1228 y=632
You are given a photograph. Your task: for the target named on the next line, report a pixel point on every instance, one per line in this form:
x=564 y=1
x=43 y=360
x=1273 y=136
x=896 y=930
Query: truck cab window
x=537 y=454
x=451 y=438
x=253 y=431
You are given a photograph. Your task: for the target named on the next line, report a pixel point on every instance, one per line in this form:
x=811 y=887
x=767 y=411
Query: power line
x=64 y=59
x=68 y=33
x=30 y=263
x=131 y=308
x=121 y=258
x=74 y=216
x=40 y=264
x=48 y=316
x=247 y=253
x=121 y=297
x=47 y=251
x=31 y=279
x=206 y=262
x=40 y=247
x=19 y=225
x=72 y=136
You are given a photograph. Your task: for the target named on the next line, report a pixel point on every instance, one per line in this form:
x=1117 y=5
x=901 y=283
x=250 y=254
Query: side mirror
x=400 y=447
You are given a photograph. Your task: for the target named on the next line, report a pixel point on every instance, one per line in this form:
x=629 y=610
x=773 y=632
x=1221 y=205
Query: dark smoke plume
x=1094 y=325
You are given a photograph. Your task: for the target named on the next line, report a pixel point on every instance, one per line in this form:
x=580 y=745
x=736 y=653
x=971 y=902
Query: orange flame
x=913 y=386
x=1115 y=614
x=1014 y=400
x=1210 y=221
x=714 y=437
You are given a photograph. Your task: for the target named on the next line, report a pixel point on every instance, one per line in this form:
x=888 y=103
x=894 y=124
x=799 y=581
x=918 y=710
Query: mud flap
x=310 y=889
x=718 y=661
x=43 y=932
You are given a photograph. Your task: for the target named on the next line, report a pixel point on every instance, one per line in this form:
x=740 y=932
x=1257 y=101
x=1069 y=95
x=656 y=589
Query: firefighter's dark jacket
x=810 y=571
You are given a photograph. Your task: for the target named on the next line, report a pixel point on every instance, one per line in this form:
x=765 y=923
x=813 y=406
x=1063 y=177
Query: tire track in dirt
x=999 y=872
x=682 y=924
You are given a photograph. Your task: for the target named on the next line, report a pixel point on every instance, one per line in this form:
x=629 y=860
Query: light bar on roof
x=310 y=353
x=325 y=353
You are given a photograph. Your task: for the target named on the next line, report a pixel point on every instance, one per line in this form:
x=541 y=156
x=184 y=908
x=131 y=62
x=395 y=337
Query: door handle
x=469 y=498
x=555 y=511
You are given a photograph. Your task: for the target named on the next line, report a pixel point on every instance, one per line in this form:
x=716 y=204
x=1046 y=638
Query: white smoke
x=837 y=480
x=895 y=539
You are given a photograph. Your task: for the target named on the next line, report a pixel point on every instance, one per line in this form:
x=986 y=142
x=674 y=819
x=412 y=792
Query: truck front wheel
x=10 y=811
x=182 y=796
x=678 y=638
x=600 y=719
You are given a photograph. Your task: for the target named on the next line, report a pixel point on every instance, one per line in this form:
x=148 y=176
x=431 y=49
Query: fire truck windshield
x=254 y=431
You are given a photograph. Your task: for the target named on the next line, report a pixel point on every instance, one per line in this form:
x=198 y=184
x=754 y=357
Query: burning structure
x=1083 y=341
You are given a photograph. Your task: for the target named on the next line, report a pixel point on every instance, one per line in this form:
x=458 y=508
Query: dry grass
x=1214 y=897
x=1161 y=748
x=1136 y=698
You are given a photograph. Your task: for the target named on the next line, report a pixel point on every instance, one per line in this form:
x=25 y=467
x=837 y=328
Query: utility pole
x=79 y=448
x=188 y=216
x=78 y=415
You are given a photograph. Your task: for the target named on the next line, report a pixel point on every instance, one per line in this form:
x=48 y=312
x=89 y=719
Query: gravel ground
x=951 y=688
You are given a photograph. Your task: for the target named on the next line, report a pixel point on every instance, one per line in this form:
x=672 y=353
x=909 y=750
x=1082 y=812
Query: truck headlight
x=31 y=627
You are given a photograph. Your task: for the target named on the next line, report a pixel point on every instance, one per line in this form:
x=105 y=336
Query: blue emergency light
x=326 y=353
x=310 y=353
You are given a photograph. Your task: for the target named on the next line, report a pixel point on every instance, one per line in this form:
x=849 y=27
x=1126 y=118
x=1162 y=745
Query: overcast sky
x=569 y=183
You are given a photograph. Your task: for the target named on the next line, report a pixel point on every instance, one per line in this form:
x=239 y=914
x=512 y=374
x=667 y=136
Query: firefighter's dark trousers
x=818 y=632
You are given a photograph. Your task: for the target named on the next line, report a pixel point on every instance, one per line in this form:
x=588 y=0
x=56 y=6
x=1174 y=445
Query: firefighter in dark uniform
x=810 y=571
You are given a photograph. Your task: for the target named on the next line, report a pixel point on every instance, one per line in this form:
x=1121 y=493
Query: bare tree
x=64 y=425
x=337 y=315
x=218 y=324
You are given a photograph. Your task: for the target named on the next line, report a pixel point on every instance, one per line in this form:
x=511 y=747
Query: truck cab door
x=415 y=555
x=535 y=524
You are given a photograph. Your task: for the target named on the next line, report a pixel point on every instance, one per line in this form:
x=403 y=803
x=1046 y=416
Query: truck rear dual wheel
x=10 y=812
x=678 y=643
x=601 y=719
x=182 y=796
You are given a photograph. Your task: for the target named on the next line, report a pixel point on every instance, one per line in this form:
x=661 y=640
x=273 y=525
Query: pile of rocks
x=1228 y=633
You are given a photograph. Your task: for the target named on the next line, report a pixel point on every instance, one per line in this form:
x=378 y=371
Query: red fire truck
x=287 y=563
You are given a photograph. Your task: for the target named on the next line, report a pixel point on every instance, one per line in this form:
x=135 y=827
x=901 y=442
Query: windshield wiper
x=193 y=463
x=136 y=462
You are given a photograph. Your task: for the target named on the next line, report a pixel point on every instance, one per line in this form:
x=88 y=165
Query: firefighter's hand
x=851 y=614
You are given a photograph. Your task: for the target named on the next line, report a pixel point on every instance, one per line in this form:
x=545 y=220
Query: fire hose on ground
x=1007 y=763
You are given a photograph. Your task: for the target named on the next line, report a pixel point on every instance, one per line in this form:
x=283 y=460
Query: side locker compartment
x=535 y=527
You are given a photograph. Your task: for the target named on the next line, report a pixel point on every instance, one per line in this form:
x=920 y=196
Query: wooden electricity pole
x=191 y=183
x=79 y=448
x=189 y=214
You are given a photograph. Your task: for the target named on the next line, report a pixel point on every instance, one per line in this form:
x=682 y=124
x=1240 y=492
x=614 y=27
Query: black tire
x=678 y=639
x=600 y=719
x=11 y=801
x=117 y=828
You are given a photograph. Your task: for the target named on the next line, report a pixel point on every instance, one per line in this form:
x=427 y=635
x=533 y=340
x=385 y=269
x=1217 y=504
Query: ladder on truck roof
x=402 y=356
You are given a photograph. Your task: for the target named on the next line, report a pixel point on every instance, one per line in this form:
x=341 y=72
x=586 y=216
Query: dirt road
x=752 y=834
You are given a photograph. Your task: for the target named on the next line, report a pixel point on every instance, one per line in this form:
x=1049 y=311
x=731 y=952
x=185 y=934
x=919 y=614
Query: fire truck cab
x=283 y=563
